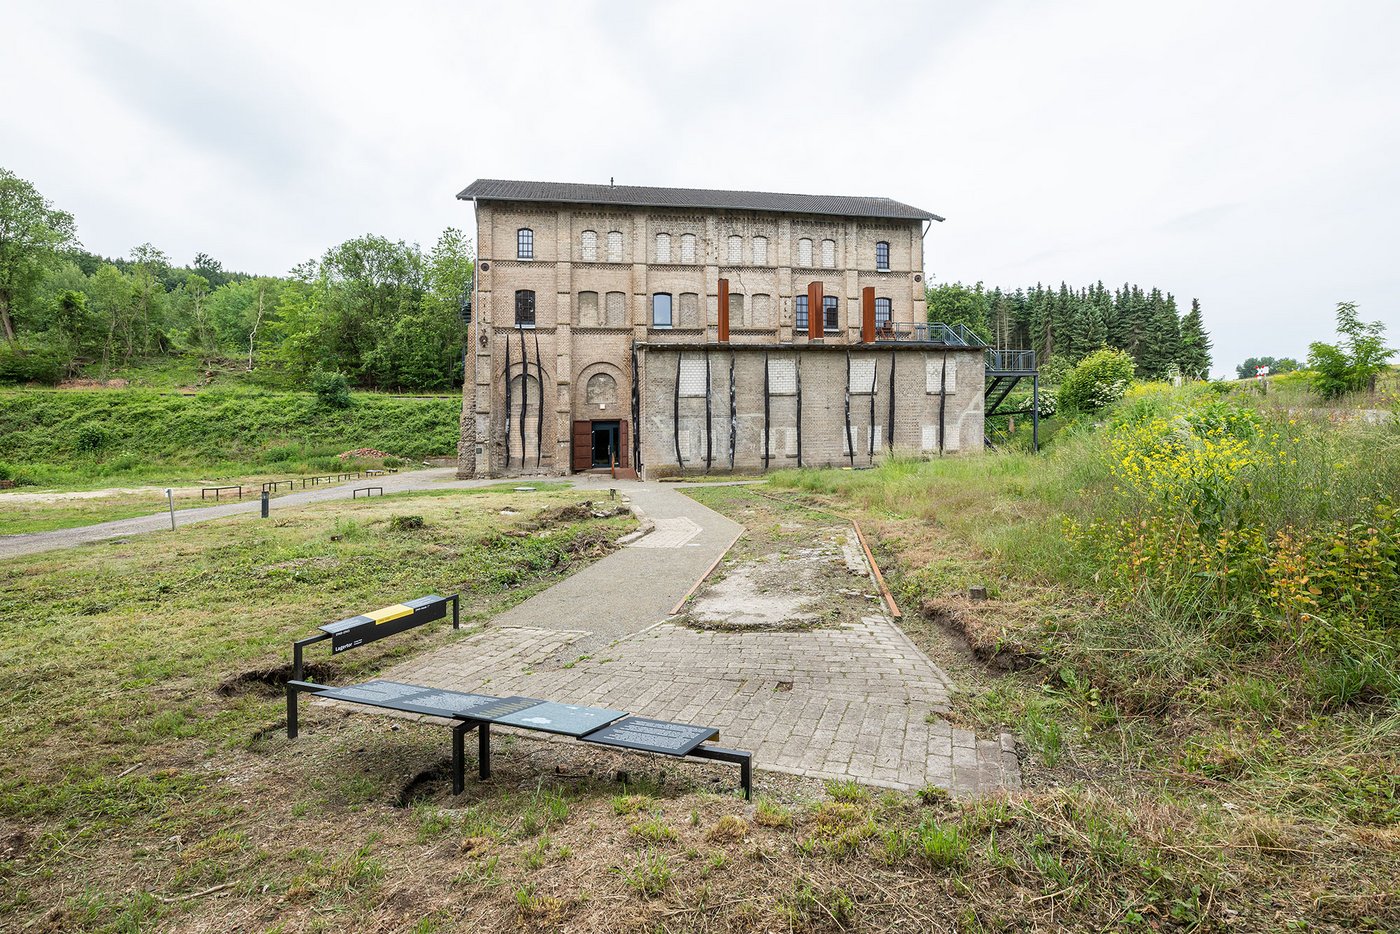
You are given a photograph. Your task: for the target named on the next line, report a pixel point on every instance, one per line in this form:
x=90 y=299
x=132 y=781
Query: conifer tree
x=1194 y=359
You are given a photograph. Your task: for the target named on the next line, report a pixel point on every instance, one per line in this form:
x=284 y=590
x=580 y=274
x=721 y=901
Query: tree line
x=1067 y=324
x=385 y=313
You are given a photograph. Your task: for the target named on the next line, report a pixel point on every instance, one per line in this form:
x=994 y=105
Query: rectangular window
x=525 y=243
x=661 y=310
x=862 y=377
x=692 y=376
x=934 y=378
x=524 y=309
x=782 y=377
x=882 y=312
x=800 y=302
x=831 y=318
x=882 y=256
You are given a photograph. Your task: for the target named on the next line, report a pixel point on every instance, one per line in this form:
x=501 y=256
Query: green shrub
x=332 y=389
x=1097 y=381
x=89 y=439
x=25 y=364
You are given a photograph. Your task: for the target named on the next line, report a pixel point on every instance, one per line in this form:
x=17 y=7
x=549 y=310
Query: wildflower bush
x=1275 y=531
x=1097 y=381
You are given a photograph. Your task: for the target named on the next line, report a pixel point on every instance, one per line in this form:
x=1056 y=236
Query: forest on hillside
x=1065 y=325
x=385 y=313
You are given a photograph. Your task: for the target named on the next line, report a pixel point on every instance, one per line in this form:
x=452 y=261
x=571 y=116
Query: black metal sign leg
x=291 y=712
x=459 y=756
x=483 y=752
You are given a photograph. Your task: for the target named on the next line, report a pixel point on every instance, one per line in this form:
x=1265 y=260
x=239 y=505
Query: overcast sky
x=1247 y=154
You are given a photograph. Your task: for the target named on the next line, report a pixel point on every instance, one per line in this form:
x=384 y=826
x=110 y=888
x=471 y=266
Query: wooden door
x=583 y=445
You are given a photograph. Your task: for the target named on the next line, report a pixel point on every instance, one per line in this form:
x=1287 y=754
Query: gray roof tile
x=495 y=189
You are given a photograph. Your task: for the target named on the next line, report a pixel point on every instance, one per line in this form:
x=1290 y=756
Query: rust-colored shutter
x=624 y=454
x=867 y=314
x=723 y=310
x=583 y=445
x=816 y=314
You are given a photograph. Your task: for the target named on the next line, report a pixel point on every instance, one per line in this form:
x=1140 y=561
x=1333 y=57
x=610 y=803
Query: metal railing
x=954 y=335
x=1011 y=361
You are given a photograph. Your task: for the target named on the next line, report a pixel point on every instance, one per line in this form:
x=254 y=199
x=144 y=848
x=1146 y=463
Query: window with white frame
x=760 y=251
x=588 y=246
x=829 y=254
x=661 y=310
x=687 y=248
x=736 y=250
x=614 y=246
x=663 y=248
x=524 y=243
x=804 y=252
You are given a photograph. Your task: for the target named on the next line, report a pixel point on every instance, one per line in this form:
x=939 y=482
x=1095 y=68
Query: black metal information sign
x=673 y=739
x=412 y=698
x=566 y=719
x=368 y=627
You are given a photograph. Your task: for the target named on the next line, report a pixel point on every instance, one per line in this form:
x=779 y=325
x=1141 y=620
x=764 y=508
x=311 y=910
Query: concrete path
x=29 y=543
x=858 y=700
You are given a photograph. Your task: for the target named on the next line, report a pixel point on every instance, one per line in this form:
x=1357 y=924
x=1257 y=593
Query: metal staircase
x=1005 y=371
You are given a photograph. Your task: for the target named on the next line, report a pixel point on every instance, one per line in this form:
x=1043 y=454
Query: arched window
x=614 y=246
x=736 y=250
x=661 y=310
x=760 y=251
x=588 y=246
x=831 y=317
x=882 y=312
x=600 y=390
x=687 y=248
x=829 y=253
x=524 y=308
x=800 y=303
x=804 y=252
x=663 y=248
x=882 y=256
x=615 y=308
x=736 y=310
x=588 y=309
x=524 y=243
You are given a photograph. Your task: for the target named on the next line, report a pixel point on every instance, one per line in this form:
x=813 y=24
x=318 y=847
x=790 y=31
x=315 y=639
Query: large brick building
x=672 y=330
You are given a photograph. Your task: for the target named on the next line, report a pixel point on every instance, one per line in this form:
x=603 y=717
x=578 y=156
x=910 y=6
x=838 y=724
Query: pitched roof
x=496 y=189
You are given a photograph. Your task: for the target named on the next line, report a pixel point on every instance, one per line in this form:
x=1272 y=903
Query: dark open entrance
x=605 y=444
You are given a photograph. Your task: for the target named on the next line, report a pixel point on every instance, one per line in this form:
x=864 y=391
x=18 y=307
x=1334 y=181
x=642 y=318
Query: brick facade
x=592 y=307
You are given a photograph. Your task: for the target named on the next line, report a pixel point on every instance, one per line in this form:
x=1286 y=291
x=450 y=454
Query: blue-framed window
x=661 y=310
x=801 y=305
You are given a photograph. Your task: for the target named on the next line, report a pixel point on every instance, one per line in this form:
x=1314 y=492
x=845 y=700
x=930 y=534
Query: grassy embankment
x=1204 y=595
x=135 y=442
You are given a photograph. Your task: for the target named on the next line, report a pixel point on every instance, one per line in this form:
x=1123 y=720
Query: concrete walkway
x=29 y=543
x=859 y=700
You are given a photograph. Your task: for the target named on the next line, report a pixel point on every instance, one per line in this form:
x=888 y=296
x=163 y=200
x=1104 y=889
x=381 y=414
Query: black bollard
x=266 y=497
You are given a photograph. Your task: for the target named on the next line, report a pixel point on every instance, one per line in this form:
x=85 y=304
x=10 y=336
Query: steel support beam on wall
x=799 y=410
x=676 y=415
x=733 y=412
x=874 y=386
x=850 y=442
x=508 y=416
x=636 y=415
x=524 y=393
x=767 y=415
x=539 y=423
x=942 y=400
x=890 y=440
x=709 y=417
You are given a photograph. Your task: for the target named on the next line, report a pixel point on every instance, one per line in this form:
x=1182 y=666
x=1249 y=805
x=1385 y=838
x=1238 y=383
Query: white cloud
x=1240 y=153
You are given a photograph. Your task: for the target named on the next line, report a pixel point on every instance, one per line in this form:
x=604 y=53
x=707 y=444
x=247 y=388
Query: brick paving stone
x=855 y=706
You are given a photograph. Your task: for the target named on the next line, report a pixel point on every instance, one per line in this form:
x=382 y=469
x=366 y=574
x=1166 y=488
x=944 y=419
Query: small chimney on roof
x=612 y=181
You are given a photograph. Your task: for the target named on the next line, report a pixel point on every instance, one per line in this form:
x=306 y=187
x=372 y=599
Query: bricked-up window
x=525 y=243
x=800 y=303
x=804 y=252
x=761 y=311
x=692 y=376
x=736 y=310
x=614 y=246
x=661 y=310
x=588 y=246
x=588 y=309
x=615 y=307
x=688 y=311
x=882 y=256
x=663 y=248
x=524 y=308
x=862 y=377
x=882 y=312
x=782 y=378
x=829 y=253
x=687 y=248
x=760 y=251
x=736 y=250
x=831 y=318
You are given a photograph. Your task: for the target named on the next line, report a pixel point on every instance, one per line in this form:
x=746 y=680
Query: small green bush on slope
x=113 y=432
